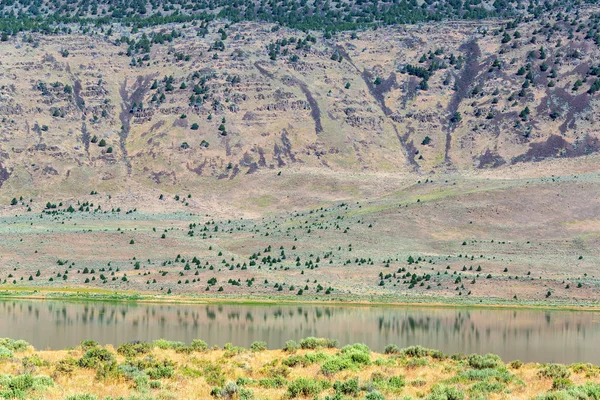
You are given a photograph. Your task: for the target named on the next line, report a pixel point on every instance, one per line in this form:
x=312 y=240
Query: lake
x=528 y=335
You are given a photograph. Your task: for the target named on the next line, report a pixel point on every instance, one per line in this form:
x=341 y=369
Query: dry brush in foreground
x=313 y=368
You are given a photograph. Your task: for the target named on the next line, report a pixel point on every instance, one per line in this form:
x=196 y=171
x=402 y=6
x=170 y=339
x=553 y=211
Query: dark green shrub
x=155 y=384
x=305 y=360
x=14 y=345
x=391 y=349
x=155 y=369
x=160 y=371
x=95 y=356
x=293 y=361
x=245 y=394
x=230 y=390
x=276 y=370
x=357 y=353
x=443 y=392
x=108 y=370
x=199 y=345
x=336 y=364
x=304 y=387
x=88 y=344
x=242 y=381
x=17 y=387
x=184 y=350
x=231 y=350
x=5 y=353
x=66 y=366
x=482 y=362
x=359 y=357
x=272 y=383
x=561 y=384
x=34 y=361
x=134 y=349
x=291 y=346
x=167 y=344
x=385 y=362
x=316 y=343
x=437 y=355
x=416 y=351
x=589 y=389
x=21 y=383
x=554 y=371
x=374 y=396
x=142 y=382
x=417 y=362
x=41 y=382
x=349 y=387
x=357 y=347
x=213 y=374
x=516 y=364
x=336 y=396
x=258 y=346
x=396 y=382
x=487 y=387
x=130 y=371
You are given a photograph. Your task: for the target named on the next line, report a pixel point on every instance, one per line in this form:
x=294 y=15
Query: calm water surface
x=528 y=335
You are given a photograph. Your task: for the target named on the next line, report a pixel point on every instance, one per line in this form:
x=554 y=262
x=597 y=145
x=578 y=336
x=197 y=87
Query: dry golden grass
x=425 y=374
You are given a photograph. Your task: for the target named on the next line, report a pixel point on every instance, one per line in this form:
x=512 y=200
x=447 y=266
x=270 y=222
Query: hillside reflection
x=529 y=335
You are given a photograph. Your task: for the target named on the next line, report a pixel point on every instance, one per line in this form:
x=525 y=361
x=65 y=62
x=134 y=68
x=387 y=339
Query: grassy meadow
x=458 y=240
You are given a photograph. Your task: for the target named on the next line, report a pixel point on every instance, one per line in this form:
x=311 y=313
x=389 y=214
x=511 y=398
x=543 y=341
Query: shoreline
x=101 y=295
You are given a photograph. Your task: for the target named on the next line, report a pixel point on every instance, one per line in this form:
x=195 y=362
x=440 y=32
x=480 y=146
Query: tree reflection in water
x=529 y=335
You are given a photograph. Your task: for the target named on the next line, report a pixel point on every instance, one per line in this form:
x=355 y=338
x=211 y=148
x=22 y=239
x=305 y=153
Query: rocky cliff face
x=87 y=111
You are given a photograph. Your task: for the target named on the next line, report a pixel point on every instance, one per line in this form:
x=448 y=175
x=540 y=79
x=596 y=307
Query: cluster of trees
x=337 y=15
x=431 y=62
x=282 y=46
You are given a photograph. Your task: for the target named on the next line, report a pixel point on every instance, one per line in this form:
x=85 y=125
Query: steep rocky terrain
x=87 y=111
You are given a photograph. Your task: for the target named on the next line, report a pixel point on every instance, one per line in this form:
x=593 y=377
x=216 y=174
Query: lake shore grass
x=102 y=295
x=313 y=368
